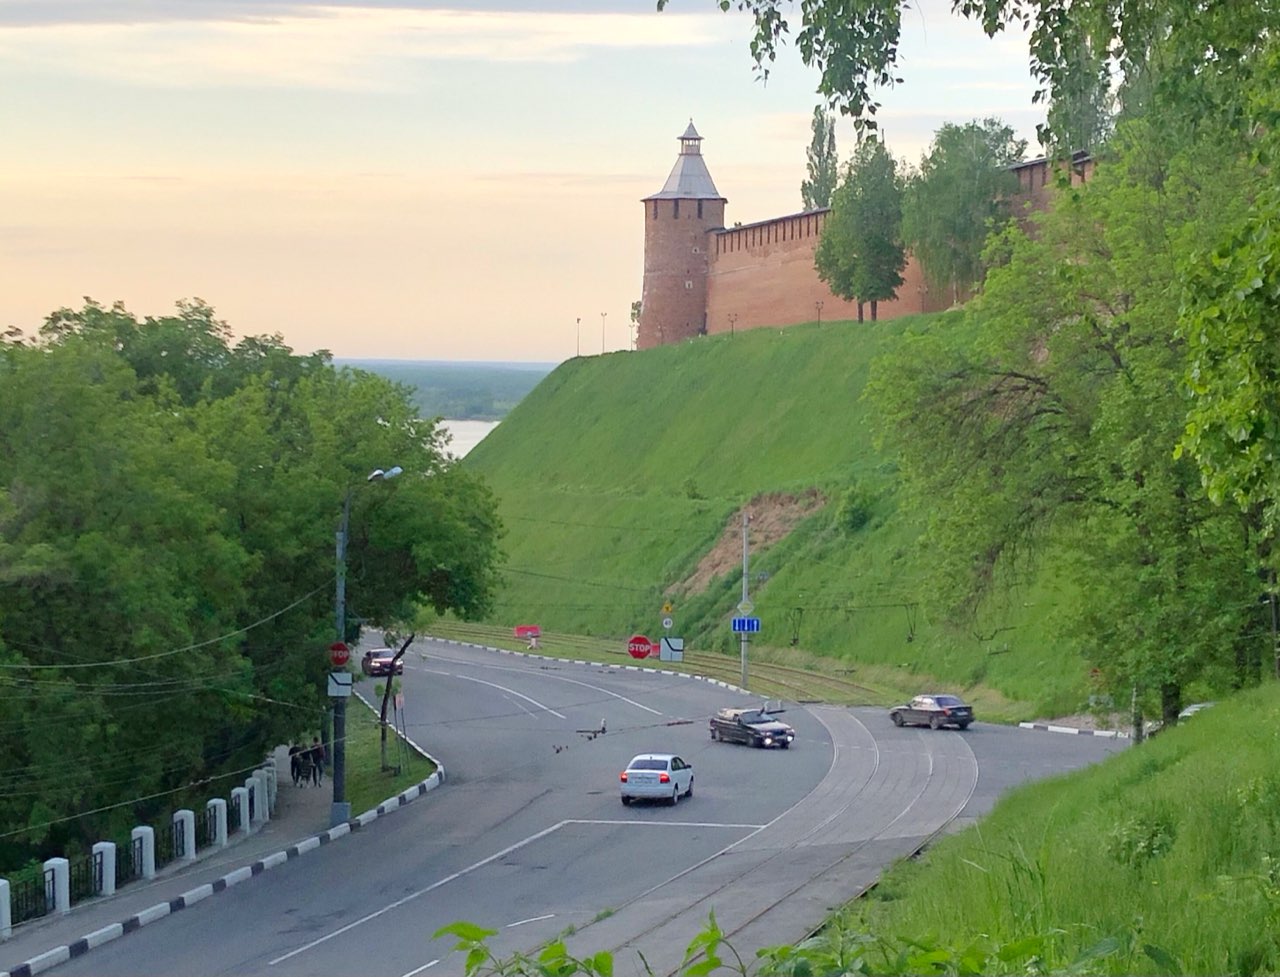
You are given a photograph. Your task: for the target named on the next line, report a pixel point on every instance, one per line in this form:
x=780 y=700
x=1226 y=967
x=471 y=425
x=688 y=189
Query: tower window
x=688 y=285
x=655 y=210
x=675 y=208
x=696 y=249
x=699 y=210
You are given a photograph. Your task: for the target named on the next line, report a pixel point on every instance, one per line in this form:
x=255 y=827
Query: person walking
x=317 y=761
x=295 y=763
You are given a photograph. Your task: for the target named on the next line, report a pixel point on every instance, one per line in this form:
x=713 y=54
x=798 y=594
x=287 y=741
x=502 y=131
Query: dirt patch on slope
x=771 y=517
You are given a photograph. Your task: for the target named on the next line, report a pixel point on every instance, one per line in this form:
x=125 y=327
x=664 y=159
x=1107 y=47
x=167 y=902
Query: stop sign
x=639 y=646
x=339 y=654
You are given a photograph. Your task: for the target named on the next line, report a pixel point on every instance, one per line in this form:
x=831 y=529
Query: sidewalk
x=299 y=824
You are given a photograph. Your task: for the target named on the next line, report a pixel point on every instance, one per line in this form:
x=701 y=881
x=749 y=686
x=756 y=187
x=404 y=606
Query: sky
x=411 y=179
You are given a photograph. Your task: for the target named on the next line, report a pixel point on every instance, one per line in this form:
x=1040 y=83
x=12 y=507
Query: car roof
x=653 y=756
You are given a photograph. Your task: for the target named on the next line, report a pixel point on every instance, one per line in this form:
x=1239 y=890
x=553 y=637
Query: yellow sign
x=667 y=608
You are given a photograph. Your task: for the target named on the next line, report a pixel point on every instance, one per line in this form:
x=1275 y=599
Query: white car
x=656 y=777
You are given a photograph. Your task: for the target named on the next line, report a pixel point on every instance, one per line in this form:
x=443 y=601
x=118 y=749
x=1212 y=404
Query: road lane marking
x=422 y=968
x=495 y=685
x=531 y=919
x=465 y=871
x=557 y=678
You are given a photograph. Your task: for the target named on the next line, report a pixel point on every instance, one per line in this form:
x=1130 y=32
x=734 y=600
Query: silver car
x=656 y=777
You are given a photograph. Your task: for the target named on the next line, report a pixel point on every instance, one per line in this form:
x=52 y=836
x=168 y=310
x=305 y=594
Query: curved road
x=528 y=838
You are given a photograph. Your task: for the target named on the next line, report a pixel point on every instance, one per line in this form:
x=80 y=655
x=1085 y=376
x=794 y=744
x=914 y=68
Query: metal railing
x=206 y=828
x=85 y=876
x=128 y=861
x=32 y=897
x=170 y=842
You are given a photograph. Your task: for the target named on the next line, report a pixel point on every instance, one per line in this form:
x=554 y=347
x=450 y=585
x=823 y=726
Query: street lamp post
x=818 y=306
x=577 y=349
x=602 y=315
x=733 y=318
x=341 y=808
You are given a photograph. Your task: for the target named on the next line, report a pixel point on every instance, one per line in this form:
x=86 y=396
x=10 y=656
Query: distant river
x=466 y=434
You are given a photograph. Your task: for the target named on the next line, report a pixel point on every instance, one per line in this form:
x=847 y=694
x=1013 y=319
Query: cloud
x=348 y=47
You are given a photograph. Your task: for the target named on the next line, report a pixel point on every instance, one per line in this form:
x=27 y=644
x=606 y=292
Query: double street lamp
x=341 y=809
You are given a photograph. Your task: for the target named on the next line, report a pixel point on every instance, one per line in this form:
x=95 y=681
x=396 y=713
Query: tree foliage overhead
x=861 y=255
x=823 y=162
x=168 y=505
x=961 y=192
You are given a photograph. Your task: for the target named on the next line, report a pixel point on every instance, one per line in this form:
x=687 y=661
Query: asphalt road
x=528 y=837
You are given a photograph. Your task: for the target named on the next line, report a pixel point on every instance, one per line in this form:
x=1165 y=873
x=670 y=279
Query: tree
x=861 y=255
x=824 y=162
x=960 y=193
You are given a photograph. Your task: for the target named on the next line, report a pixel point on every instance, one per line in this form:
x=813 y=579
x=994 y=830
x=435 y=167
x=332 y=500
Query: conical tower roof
x=689 y=179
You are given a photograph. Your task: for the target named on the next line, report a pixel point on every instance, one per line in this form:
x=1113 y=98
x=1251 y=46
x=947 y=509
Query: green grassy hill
x=618 y=475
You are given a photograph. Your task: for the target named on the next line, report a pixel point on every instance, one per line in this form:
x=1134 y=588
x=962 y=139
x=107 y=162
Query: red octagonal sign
x=639 y=646
x=339 y=654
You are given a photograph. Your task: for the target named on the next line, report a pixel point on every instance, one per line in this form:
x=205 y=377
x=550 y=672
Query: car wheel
x=675 y=796
x=896 y=717
x=713 y=735
x=964 y=725
x=689 y=792
x=626 y=801
x=785 y=744
x=935 y=722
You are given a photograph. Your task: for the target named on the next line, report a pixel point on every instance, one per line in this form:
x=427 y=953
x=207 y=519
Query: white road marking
x=557 y=678
x=531 y=919
x=519 y=695
x=471 y=868
x=422 y=968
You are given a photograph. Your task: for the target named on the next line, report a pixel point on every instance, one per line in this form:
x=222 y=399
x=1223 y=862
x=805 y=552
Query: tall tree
x=861 y=255
x=960 y=193
x=824 y=163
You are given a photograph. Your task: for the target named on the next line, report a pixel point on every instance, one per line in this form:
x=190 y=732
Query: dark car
x=755 y=727
x=378 y=662
x=933 y=710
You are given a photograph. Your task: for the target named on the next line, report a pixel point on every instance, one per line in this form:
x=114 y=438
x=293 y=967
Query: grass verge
x=368 y=785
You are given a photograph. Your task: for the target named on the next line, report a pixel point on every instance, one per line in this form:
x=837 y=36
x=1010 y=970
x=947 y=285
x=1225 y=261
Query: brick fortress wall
x=763 y=275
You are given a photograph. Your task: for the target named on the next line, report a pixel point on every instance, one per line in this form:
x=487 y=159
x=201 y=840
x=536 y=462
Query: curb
x=1104 y=733
x=78 y=948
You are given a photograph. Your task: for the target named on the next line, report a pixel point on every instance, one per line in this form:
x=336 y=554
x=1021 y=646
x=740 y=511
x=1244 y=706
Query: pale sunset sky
x=410 y=179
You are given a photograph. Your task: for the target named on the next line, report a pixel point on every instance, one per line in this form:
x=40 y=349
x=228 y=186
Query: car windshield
x=756 y=716
x=647 y=763
x=949 y=700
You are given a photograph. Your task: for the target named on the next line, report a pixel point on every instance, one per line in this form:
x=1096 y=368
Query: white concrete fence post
x=6 y=911
x=108 y=851
x=240 y=801
x=261 y=802
x=273 y=783
x=147 y=869
x=219 y=807
x=61 y=869
x=188 y=821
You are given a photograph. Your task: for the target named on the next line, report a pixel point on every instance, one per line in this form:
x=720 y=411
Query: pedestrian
x=317 y=761
x=295 y=763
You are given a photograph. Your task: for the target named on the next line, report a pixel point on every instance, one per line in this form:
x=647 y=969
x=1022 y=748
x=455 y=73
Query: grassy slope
x=1173 y=845
x=617 y=473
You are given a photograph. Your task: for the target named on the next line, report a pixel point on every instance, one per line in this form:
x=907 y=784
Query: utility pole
x=745 y=607
x=340 y=810
x=577 y=349
x=602 y=315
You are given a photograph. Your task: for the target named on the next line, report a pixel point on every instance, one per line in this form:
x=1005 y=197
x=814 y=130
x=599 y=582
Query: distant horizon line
x=509 y=364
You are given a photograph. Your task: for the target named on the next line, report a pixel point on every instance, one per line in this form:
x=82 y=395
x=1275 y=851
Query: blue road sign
x=748 y=624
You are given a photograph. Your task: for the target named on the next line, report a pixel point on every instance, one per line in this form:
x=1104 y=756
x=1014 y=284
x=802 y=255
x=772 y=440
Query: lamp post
x=602 y=315
x=341 y=809
x=818 y=307
x=577 y=349
x=733 y=318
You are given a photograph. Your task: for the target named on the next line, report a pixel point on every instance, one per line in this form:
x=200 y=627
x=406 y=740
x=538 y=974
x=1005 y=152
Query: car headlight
x=768 y=740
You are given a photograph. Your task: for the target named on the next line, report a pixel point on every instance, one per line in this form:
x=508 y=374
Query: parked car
x=656 y=777
x=933 y=710
x=378 y=662
x=753 y=726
